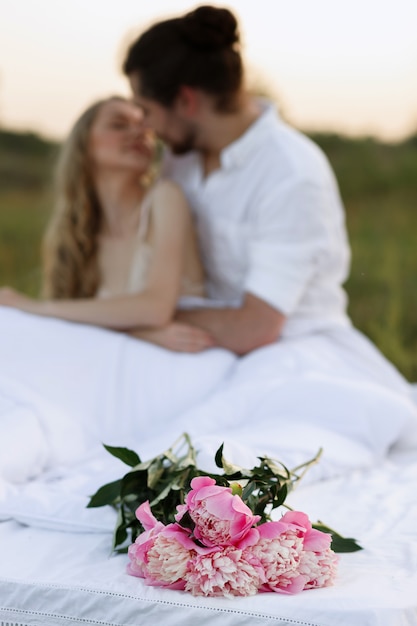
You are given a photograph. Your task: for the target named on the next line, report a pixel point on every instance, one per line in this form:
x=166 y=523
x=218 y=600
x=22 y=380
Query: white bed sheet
x=52 y=578
x=286 y=400
x=64 y=388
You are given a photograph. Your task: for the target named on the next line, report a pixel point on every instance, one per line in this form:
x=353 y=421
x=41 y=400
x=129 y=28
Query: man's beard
x=186 y=144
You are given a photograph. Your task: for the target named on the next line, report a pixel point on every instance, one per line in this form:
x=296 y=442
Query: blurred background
x=344 y=73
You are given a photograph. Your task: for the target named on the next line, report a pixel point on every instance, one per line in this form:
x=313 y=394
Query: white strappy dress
x=130 y=276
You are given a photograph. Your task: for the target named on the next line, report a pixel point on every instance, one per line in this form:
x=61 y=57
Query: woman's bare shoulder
x=167 y=194
x=165 y=186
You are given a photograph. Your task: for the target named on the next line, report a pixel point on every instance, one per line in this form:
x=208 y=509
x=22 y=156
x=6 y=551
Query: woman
x=119 y=252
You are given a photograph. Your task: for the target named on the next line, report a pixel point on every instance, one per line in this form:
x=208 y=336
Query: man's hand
x=176 y=336
x=254 y=324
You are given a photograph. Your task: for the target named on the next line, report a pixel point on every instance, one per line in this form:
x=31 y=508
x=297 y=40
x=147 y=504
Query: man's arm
x=253 y=325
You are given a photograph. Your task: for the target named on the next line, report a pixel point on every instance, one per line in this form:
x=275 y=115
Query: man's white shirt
x=270 y=222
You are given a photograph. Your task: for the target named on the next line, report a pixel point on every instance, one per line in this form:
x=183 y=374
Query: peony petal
x=240 y=507
x=183 y=537
x=295 y=586
x=317 y=541
x=221 y=505
x=298 y=518
x=251 y=538
x=178 y=585
x=270 y=530
x=202 y=481
x=145 y=516
x=181 y=511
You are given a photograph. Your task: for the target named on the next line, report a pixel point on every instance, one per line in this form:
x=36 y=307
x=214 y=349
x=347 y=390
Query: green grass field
x=379 y=188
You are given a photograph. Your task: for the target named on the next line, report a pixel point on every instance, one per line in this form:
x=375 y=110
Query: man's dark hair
x=199 y=50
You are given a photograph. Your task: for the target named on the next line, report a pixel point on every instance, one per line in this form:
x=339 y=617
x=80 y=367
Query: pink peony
x=318 y=562
x=166 y=562
x=318 y=568
x=278 y=551
x=137 y=551
x=161 y=554
x=221 y=518
x=225 y=572
x=225 y=555
x=313 y=539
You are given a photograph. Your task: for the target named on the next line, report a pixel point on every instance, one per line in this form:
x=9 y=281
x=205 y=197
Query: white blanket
x=55 y=578
x=65 y=388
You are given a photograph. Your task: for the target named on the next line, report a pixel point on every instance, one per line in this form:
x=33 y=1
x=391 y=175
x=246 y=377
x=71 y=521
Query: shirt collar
x=236 y=153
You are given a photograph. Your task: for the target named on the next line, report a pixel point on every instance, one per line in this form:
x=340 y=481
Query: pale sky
x=343 y=65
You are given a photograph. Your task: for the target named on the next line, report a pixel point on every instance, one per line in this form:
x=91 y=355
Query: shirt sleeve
x=288 y=244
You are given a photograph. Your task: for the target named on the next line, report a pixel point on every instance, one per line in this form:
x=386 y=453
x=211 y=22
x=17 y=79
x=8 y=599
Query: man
x=267 y=209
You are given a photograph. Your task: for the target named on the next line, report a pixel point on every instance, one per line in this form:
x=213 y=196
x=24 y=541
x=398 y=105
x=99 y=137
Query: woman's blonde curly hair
x=70 y=246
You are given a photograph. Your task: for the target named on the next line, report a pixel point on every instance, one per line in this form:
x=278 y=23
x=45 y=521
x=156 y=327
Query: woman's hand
x=12 y=298
x=177 y=336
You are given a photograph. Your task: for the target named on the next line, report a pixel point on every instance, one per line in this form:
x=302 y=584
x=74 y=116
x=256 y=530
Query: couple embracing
x=267 y=221
x=265 y=205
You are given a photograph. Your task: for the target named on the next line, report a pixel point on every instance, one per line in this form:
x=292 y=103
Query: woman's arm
x=153 y=307
x=176 y=336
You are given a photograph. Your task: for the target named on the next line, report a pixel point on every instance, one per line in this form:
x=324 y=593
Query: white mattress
x=65 y=388
x=52 y=578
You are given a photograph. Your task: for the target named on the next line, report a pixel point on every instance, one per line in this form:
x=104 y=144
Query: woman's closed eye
x=119 y=124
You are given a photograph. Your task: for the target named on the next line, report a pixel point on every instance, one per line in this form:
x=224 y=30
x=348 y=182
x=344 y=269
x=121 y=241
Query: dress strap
x=145 y=212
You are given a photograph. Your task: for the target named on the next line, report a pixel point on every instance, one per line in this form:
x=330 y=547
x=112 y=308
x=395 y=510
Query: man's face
x=169 y=124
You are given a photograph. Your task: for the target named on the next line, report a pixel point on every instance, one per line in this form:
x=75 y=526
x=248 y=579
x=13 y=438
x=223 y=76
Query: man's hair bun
x=209 y=28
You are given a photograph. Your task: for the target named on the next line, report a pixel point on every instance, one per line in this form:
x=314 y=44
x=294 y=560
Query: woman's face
x=119 y=141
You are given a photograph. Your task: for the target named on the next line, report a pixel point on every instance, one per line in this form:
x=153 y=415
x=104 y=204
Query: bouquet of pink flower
x=214 y=535
x=216 y=548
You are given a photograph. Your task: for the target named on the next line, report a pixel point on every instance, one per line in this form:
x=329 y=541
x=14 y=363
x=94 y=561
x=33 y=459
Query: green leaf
x=277 y=468
x=339 y=543
x=120 y=536
x=187 y=461
x=134 y=483
x=107 y=494
x=186 y=521
x=155 y=472
x=344 y=544
x=231 y=470
x=168 y=454
x=218 y=459
x=124 y=454
x=280 y=497
x=162 y=495
x=248 y=490
x=120 y=533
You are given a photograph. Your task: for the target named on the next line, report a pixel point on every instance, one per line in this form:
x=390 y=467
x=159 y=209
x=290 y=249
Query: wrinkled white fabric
x=76 y=386
x=54 y=578
x=286 y=400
